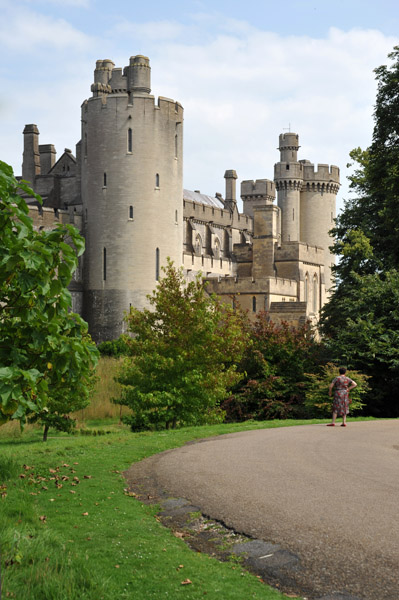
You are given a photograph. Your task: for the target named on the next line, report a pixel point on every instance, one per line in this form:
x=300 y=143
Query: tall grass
x=106 y=388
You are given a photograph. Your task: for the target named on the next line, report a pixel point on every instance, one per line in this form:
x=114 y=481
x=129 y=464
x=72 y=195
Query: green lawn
x=68 y=530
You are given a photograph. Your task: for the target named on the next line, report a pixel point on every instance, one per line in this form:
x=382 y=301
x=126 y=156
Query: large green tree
x=361 y=319
x=184 y=351
x=46 y=354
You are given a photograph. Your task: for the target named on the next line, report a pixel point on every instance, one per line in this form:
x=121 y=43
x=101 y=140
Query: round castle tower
x=307 y=198
x=132 y=192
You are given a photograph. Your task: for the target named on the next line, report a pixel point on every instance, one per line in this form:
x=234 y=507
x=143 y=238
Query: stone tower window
x=176 y=145
x=130 y=212
x=85 y=146
x=293 y=214
x=104 y=264
x=216 y=248
x=306 y=287
x=176 y=215
x=105 y=180
x=157 y=264
x=129 y=140
x=287 y=166
x=157 y=180
x=254 y=304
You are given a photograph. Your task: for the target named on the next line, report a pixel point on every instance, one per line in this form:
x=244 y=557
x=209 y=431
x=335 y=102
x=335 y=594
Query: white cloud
x=23 y=31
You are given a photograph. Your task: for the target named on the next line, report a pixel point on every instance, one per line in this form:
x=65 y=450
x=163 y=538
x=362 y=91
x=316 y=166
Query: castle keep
x=124 y=192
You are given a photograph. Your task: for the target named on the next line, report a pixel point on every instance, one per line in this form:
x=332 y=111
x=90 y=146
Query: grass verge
x=69 y=531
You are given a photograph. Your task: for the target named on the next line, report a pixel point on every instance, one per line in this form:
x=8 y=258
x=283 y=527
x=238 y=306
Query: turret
x=31 y=155
x=230 y=197
x=288 y=177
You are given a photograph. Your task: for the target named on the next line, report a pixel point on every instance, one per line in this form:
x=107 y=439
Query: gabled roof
x=202 y=199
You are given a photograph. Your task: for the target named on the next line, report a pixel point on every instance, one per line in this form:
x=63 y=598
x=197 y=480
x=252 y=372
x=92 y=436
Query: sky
x=243 y=71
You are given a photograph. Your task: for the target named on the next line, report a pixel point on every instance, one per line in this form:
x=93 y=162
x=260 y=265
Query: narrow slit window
x=315 y=294
x=105 y=180
x=176 y=215
x=157 y=264
x=293 y=214
x=129 y=140
x=176 y=145
x=104 y=264
x=157 y=180
x=254 y=304
x=130 y=212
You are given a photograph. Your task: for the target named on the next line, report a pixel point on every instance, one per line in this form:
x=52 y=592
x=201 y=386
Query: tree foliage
x=360 y=321
x=184 y=354
x=274 y=367
x=46 y=354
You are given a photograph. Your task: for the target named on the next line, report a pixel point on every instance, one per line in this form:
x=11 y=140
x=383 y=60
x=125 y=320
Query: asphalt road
x=330 y=495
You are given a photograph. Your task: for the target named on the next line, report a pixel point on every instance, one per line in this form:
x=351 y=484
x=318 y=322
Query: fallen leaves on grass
x=186 y=582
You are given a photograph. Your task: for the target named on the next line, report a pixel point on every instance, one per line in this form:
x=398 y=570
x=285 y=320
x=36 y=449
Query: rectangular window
x=104 y=264
x=129 y=140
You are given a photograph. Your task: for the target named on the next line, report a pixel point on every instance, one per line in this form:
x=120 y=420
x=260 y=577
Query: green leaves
x=36 y=327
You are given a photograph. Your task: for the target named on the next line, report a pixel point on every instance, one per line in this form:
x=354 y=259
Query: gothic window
x=130 y=212
x=198 y=244
x=315 y=294
x=254 y=304
x=129 y=140
x=104 y=264
x=157 y=180
x=216 y=248
x=157 y=264
x=306 y=287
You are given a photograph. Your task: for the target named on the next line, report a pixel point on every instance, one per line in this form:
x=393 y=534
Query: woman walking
x=342 y=386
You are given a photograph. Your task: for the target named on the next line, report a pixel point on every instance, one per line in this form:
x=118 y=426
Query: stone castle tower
x=131 y=191
x=307 y=200
x=124 y=191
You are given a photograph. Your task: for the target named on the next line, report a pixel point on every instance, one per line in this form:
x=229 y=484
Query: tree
x=184 y=354
x=274 y=368
x=360 y=321
x=46 y=354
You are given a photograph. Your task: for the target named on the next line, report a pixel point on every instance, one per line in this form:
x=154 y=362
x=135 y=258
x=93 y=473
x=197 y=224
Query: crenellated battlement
x=262 y=189
x=323 y=174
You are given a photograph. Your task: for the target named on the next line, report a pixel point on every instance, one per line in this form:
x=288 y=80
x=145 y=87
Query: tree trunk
x=45 y=432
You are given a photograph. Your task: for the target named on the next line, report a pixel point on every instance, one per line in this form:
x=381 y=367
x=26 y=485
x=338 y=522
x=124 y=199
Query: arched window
x=315 y=293
x=254 y=304
x=130 y=212
x=157 y=180
x=129 y=140
x=306 y=287
x=198 y=244
x=104 y=264
x=157 y=264
x=216 y=248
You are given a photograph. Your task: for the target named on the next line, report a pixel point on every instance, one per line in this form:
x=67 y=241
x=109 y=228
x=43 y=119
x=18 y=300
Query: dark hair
x=342 y=370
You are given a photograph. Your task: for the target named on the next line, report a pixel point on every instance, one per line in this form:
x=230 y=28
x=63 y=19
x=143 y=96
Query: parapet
x=102 y=75
x=324 y=173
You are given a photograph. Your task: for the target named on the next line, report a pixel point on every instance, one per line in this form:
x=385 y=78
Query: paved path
x=329 y=495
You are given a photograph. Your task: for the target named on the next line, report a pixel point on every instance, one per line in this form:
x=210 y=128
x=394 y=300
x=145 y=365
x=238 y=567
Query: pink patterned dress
x=341 y=395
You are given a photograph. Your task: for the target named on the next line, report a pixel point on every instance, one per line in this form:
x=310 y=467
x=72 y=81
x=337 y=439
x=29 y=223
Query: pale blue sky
x=243 y=71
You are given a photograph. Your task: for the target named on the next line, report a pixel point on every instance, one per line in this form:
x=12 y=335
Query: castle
x=124 y=192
